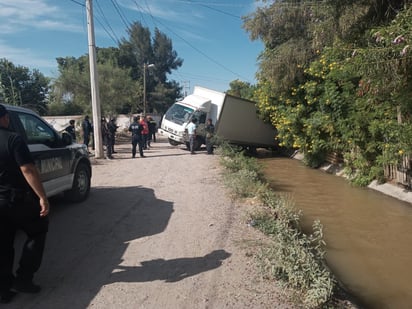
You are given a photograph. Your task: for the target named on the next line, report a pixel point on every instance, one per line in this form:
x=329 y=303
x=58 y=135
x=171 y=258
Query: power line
x=156 y=21
x=212 y=8
x=215 y=3
x=143 y=10
x=118 y=10
x=77 y=2
x=107 y=23
x=194 y=47
x=115 y=40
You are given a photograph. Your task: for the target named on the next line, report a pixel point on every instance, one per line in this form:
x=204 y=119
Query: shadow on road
x=86 y=243
x=169 y=270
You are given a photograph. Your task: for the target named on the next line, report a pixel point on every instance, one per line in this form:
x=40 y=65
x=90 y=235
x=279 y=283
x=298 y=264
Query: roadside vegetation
x=335 y=77
x=293 y=258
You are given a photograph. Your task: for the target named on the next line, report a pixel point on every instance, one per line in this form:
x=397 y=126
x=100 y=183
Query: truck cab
x=179 y=115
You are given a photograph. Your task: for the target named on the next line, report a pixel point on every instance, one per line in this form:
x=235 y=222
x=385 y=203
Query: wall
x=61 y=122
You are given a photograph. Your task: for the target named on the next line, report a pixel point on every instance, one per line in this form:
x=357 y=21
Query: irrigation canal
x=368 y=234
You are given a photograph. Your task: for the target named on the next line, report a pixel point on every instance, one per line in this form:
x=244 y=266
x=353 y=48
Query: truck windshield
x=178 y=113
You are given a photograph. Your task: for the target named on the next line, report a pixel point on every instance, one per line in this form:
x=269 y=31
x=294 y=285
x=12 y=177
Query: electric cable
x=107 y=22
x=195 y=48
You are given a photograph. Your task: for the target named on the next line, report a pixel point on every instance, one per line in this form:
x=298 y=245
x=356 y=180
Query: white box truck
x=235 y=119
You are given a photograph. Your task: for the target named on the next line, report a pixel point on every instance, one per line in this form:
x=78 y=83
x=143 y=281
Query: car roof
x=15 y=108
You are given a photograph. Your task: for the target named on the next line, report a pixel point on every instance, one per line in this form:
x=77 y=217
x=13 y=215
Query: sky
x=206 y=34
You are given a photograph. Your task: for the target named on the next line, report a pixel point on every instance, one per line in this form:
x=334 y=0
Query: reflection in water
x=368 y=234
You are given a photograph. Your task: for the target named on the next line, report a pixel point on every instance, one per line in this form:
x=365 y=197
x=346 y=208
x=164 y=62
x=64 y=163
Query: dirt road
x=156 y=232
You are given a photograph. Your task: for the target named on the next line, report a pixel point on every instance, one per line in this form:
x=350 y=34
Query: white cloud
x=169 y=10
x=19 y=15
x=24 y=57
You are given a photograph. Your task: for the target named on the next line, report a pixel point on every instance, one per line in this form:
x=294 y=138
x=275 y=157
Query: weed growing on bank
x=295 y=259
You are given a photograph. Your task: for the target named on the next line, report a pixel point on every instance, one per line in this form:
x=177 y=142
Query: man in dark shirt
x=24 y=206
x=71 y=130
x=152 y=130
x=87 y=130
x=112 y=127
x=137 y=139
x=210 y=130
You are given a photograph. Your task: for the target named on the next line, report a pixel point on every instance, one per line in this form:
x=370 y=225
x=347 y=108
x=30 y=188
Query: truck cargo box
x=239 y=124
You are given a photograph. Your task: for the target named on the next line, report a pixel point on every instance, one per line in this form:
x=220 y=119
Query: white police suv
x=64 y=166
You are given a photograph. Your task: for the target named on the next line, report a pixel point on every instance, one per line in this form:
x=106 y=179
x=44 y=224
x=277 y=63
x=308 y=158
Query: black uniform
x=112 y=127
x=87 y=130
x=19 y=209
x=71 y=130
x=106 y=138
x=210 y=130
x=152 y=131
x=137 y=138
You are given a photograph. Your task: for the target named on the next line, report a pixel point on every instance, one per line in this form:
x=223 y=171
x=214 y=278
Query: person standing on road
x=112 y=126
x=137 y=139
x=152 y=129
x=87 y=130
x=23 y=206
x=145 y=132
x=210 y=130
x=71 y=130
x=191 y=131
x=107 y=139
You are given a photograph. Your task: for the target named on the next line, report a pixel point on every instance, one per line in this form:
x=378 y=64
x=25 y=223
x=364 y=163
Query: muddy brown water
x=368 y=234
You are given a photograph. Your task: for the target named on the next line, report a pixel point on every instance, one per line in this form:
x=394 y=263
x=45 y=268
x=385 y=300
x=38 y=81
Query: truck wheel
x=198 y=144
x=172 y=142
x=81 y=184
x=252 y=150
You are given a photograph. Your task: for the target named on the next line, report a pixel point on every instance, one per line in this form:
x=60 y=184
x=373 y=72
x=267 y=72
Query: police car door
x=52 y=157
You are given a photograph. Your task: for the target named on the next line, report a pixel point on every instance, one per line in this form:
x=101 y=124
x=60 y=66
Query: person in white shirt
x=191 y=130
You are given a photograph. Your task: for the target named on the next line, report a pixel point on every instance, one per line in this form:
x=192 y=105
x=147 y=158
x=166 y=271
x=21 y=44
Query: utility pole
x=97 y=137
x=145 y=67
x=144 y=89
x=186 y=87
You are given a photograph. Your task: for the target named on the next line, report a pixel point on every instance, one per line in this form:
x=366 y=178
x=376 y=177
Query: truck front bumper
x=176 y=138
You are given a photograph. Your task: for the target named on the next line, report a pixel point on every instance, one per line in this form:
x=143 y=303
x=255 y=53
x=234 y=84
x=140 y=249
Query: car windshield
x=178 y=113
x=37 y=131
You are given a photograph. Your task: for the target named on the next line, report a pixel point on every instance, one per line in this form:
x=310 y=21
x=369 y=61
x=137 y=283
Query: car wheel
x=81 y=184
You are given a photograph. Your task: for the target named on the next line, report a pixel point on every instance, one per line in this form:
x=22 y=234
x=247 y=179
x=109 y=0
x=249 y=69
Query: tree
x=138 y=50
x=20 y=86
x=118 y=92
x=164 y=57
x=334 y=76
x=241 y=89
x=120 y=71
x=72 y=88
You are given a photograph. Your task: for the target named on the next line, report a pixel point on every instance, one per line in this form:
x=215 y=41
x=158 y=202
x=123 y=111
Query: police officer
x=24 y=206
x=112 y=127
x=87 y=130
x=137 y=139
x=71 y=130
x=106 y=138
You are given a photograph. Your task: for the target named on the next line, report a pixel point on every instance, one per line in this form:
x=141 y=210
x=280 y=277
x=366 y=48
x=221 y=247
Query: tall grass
x=295 y=259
